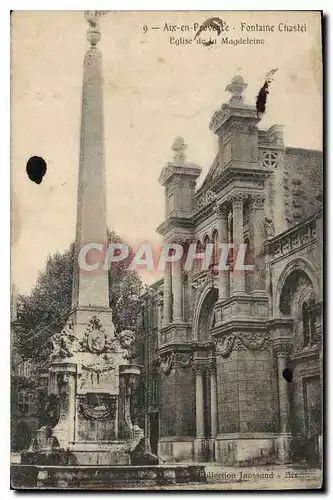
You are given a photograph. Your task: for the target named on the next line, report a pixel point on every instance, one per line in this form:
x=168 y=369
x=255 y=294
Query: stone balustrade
x=292 y=239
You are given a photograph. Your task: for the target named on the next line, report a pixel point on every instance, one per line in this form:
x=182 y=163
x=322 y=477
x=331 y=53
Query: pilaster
x=177 y=291
x=282 y=351
x=222 y=214
x=213 y=401
x=238 y=239
x=167 y=296
x=258 y=236
x=201 y=442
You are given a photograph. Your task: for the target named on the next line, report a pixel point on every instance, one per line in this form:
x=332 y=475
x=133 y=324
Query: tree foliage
x=45 y=311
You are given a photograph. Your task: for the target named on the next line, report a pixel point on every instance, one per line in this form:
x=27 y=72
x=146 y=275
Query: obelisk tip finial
x=94 y=32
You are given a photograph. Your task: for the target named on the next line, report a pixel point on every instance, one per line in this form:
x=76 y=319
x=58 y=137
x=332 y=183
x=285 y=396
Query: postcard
x=166 y=250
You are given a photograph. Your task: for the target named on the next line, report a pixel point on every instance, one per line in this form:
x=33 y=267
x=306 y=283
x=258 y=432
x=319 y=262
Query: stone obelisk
x=91 y=371
x=90 y=288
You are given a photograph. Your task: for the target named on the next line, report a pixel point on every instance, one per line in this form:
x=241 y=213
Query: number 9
x=145 y=29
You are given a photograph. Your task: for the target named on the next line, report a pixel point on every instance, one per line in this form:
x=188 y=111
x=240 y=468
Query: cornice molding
x=172 y=222
x=306 y=353
x=170 y=170
x=241 y=324
x=240 y=170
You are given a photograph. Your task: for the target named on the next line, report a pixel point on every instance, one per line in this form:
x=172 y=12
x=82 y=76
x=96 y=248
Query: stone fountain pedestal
x=92 y=439
x=92 y=378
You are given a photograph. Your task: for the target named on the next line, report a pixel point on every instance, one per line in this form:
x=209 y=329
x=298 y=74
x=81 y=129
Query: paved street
x=247 y=478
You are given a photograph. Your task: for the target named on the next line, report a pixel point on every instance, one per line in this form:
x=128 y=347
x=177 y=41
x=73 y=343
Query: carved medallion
x=96 y=341
x=95 y=336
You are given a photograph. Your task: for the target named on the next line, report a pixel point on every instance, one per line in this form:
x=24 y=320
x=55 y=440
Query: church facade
x=233 y=359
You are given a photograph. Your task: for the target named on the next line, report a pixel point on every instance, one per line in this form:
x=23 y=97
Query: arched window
x=205 y=243
x=206 y=320
x=230 y=228
x=198 y=262
x=305 y=320
x=297 y=300
x=247 y=257
x=212 y=320
x=312 y=322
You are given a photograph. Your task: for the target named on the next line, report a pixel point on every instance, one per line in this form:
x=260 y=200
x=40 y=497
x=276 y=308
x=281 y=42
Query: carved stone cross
x=179 y=147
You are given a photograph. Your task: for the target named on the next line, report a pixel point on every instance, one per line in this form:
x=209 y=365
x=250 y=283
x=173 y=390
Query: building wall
x=177 y=402
x=243 y=338
x=148 y=388
x=246 y=384
x=25 y=410
x=303 y=183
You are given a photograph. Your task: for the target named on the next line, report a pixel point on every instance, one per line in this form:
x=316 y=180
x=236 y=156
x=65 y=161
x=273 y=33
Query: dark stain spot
x=36 y=169
x=207 y=44
x=263 y=93
x=214 y=23
x=287 y=374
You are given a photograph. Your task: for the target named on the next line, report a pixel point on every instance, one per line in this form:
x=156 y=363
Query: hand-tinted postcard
x=167 y=280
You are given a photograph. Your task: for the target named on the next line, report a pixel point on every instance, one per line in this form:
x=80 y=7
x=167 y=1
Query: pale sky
x=154 y=91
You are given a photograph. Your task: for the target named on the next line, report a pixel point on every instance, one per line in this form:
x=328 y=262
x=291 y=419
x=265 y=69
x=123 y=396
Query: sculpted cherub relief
x=127 y=339
x=65 y=343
